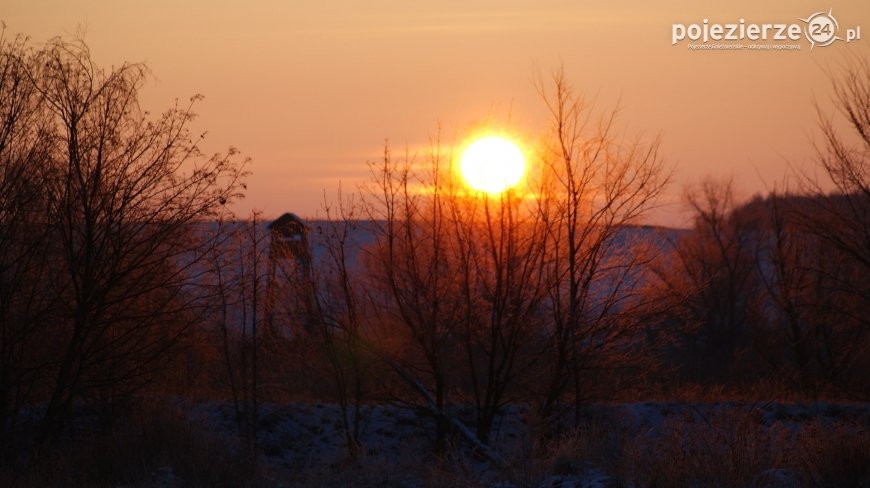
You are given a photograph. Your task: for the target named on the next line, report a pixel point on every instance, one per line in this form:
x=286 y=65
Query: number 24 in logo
x=821 y=30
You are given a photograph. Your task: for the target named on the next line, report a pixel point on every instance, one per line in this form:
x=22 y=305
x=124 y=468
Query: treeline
x=770 y=296
x=123 y=276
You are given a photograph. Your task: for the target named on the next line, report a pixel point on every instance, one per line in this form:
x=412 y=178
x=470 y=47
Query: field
x=180 y=443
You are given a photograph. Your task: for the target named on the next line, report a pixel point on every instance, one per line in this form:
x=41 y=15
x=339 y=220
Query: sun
x=492 y=165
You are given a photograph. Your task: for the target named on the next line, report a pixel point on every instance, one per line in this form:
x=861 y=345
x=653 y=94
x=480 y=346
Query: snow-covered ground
x=303 y=444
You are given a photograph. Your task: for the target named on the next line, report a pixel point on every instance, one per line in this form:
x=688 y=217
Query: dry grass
x=718 y=447
x=835 y=456
x=155 y=446
x=713 y=445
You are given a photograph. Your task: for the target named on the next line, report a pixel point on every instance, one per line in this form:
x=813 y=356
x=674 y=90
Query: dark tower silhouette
x=289 y=240
x=290 y=266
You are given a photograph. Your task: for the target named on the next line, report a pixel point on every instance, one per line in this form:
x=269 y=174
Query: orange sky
x=310 y=89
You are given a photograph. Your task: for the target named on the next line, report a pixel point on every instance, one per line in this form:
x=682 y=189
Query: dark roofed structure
x=289 y=227
x=289 y=238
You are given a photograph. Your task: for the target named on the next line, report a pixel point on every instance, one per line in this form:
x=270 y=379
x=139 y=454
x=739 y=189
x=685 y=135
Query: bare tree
x=341 y=310
x=503 y=279
x=25 y=303
x=822 y=242
x=787 y=275
x=125 y=204
x=842 y=217
x=410 y=269
x=499 y=250
x=239 y=275
x=711 y=274
x=597 y=184
x=803 y=276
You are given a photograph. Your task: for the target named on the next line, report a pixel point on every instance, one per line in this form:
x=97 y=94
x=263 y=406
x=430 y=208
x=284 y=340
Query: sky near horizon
x=310 y=90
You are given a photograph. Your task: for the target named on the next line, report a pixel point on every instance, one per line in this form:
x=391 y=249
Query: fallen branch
x=467 y=434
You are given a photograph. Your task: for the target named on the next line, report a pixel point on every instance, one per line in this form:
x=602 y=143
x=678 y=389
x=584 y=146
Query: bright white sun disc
x=492 y=165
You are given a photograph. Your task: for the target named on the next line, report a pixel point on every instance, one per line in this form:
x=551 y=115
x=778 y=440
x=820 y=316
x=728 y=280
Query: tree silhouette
x=124 y=196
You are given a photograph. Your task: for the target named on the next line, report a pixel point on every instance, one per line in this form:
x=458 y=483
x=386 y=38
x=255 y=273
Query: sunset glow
x=338 y=242
x=492 y=165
